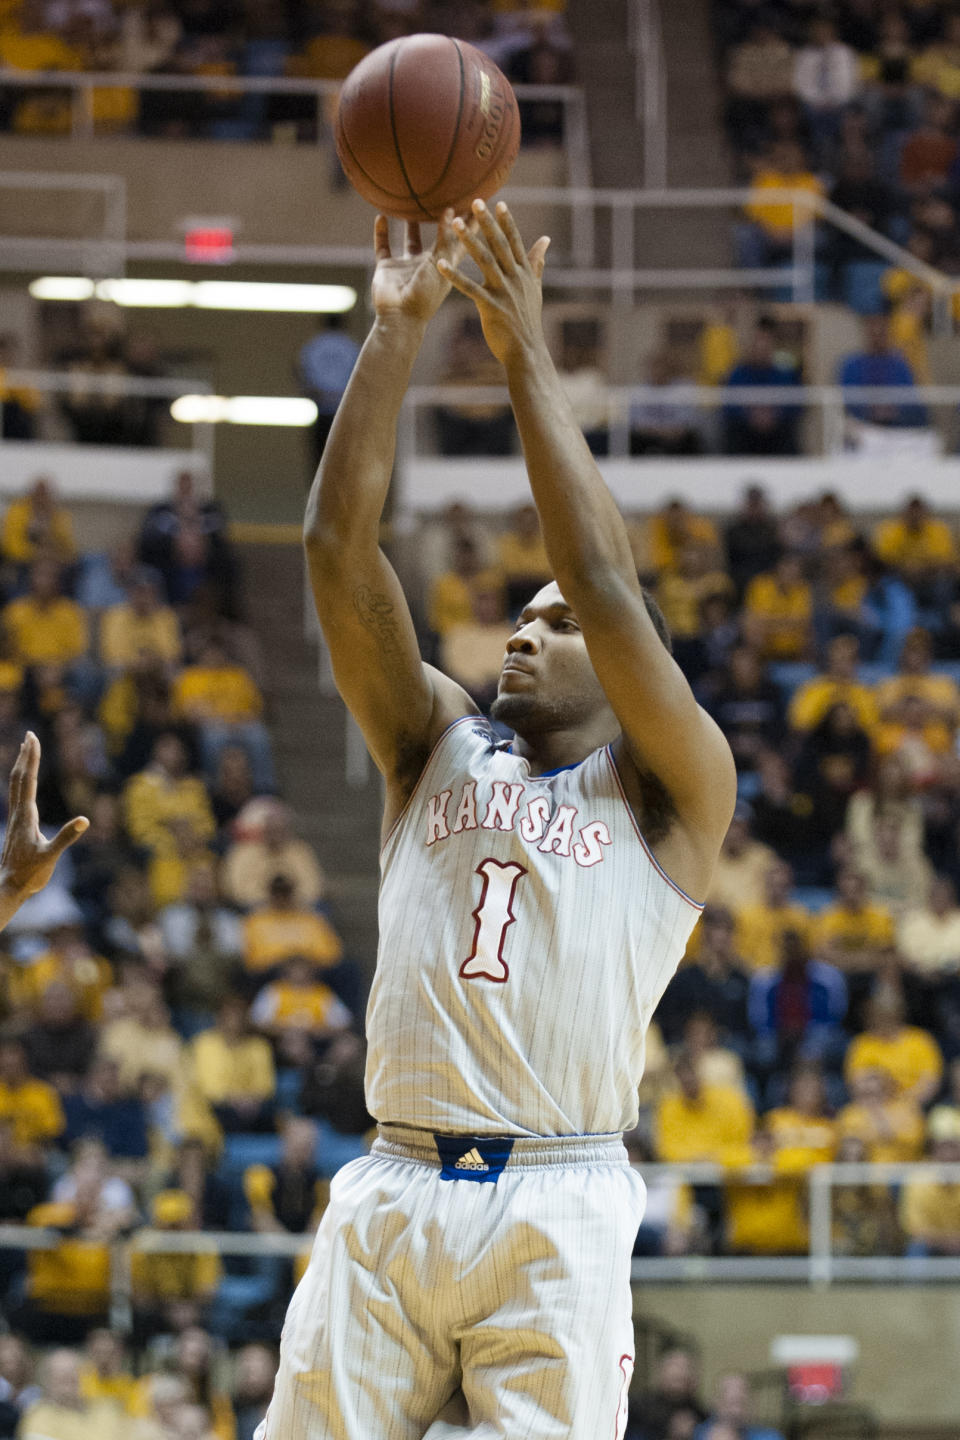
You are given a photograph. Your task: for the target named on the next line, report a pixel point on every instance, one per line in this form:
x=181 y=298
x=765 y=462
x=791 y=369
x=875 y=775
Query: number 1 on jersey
x=494 y=915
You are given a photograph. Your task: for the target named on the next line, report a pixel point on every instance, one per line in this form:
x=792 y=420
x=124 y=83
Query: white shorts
x=447 y=1308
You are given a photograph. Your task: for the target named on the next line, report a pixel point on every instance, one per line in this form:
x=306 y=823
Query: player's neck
x=558 y=749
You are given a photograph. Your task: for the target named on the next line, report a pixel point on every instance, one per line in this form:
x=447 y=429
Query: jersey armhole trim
x=427 y=763
x=696 y=904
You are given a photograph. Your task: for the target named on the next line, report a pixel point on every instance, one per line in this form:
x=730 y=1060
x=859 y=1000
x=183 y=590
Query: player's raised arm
x=666 y=732
x=400 y=704
x=28 y=860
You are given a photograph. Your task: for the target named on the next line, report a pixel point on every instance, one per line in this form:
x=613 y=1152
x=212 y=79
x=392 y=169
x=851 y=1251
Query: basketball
x=426 y=122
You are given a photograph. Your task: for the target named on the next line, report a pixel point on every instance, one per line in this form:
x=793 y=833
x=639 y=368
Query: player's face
x=547 y=681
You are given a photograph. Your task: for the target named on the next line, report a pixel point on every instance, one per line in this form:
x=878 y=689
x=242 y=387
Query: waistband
x=533 y=1152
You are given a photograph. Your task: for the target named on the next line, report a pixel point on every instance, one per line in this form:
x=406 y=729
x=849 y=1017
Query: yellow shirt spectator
x=767 y=1218
x=273 y=934
x=161 y=1278
x=24 y=530
x=930 y=1211
x=89 y=976
x=54 y=633
x=939 y=692
x=451 y=598
x=926 y=546
x=715 y=1125
x=847 y=931
x=760 y=929
x=523 y=557
x=97 y=1420
x=680 y=597
x=125 y=636
x=33 y=1110
x=228 y=1069
x=224 y=692
x=801 y=1140
x=891 y=1134
x=784 y=614
x=117 y=1390
x=22 y=50
x=812 y=701
x=670 y=531
x=73 y=1278
x=152 y=799
x=776 y=216
x=910 y=1057
x=286 y=1006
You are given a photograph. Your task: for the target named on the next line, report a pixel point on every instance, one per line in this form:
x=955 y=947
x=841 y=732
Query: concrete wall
x=909 y=1336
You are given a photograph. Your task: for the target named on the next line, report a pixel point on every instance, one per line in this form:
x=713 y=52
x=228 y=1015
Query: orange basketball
x=426 y=122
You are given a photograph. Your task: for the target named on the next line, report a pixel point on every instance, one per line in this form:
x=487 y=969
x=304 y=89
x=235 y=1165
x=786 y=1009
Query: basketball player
x=471 y=1275
x=28 y=860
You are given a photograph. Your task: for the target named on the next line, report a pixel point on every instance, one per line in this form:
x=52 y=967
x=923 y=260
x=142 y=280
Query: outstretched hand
x=28 y=860
x=510 y=299
x=413 y=284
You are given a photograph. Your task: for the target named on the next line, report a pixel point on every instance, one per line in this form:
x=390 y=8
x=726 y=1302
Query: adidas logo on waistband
x=473 y=1160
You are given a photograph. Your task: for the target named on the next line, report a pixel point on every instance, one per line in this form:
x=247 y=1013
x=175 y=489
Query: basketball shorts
x=465 y=1287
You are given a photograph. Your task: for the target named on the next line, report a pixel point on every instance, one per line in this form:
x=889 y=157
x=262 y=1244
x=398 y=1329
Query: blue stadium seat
x=861 y=287
x=814 y=897
x=239 y=1151
x=335 y=1150
x=789 y=675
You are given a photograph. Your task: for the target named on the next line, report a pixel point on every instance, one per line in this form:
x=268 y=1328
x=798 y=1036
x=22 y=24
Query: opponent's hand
x=27 y=861
x=411 y=284
x=510 y=300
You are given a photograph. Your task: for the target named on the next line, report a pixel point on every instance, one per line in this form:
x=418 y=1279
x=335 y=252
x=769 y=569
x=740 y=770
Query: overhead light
x=243 y=410
x=203 y=294
x=62 y=287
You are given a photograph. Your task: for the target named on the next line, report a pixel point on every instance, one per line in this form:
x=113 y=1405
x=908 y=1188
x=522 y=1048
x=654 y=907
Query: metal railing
x=820 y=1266
x=650 y=89
x=103 y=252
x=831 y=401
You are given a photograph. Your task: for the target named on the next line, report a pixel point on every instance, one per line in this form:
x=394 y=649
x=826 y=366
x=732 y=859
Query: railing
x=650 y=89
x=103 y=252
x=820 y=1266
x=831 y=401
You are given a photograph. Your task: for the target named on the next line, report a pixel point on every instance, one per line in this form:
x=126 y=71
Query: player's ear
x=538 y=255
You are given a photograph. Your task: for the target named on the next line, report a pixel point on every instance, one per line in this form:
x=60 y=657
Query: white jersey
x=526 y=936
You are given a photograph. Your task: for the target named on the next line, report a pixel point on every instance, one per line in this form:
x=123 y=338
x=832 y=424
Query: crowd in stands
x=301 y=39
x=855 y=101
x=817 y=1014
x=180 y=1044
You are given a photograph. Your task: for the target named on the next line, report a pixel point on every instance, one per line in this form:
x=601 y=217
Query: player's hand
x=27 y=861
x=510 y=299
x=411 y=284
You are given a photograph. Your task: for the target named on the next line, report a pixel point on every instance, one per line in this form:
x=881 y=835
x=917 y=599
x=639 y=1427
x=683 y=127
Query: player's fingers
x=16 y=778
x=30 y=754
x=414 y=239
x=475 y=246
x=495 y=238
x=65 y=837
x=538 y=255
x=463 y=283
x=446 y=242
x=381 y=237
x=509 y=227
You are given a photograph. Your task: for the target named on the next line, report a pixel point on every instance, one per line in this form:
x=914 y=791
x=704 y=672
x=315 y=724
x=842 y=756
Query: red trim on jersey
x=622 y=1415
x=481 y=870
x=440 y=739
x=608 y=751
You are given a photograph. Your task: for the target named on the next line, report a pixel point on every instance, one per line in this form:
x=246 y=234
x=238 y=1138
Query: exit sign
x=209 y=244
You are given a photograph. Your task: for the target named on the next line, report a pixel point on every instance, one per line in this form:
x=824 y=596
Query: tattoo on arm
x=377 y=613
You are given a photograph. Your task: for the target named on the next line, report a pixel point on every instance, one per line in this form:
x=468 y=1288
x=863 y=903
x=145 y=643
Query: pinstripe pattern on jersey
x=598 y=929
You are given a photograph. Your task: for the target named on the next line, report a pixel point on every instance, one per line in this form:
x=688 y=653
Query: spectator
x=272 y=849
x=141 y=626
x=889 y=608
x=865 y=197
x=31 y=1106
x=472 y=653
x=232 y=787
x=62 y=1413
x=288 y=1197
x=909 y=1055
x=522 y=558
x=892 y=798
x=804 y=1132
x=172 y=1290
x=701 y=1122
x=797 y=1009
x=584 y=381
x=24 y=1183
x=838 y=685
x=938 y=65
x=106 y=1374
x=252 y=1387
x=68 y=961
x=185 y=539
x=752 y=539
x=765 y=428
x=826 y=78
x=682 y=591
x=732 y=1408
x=139 y=1037
x=16 y=1373
x=768 y=240
x=672 y=529
x=100 y=1110
x=203 y=940
x=233 y=1070
x=670 y=424
x=717 y=1064
x=930 y=1209
x=889 y=1126
x=939 y=693
x=60 y=1043
x=852 y=932
x=748 y=707
x=924 y=743
x=163 y=793
x=221 y=700
x=194 y=1366
x=282 y=928
x=453 y=594
x=471 y=427
x=333 y=1088
x=878 y=364
x=715 y=983
x=297 y=1010
x=928 y=936
x=760 y=71
x=833 y=763
x=35 y=528
x=325 y=365
x=45 y=628
x=928 y=154
x=778 y=611
x=19 y=405
x=921 y=548
x=761 y=927
x=739 y=875
x=675 y=1391
x=895 y=875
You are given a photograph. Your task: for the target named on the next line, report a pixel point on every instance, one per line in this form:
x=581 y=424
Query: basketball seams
x=390 y=194
x=456 y=129
x=396 y=141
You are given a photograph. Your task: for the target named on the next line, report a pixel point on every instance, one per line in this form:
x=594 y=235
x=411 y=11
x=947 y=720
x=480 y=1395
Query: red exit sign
x=209 y=244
